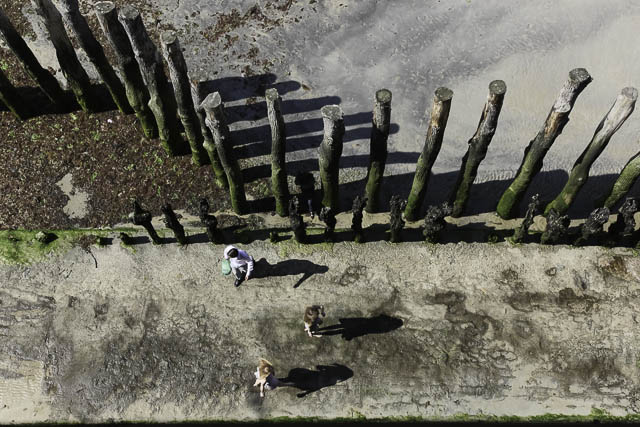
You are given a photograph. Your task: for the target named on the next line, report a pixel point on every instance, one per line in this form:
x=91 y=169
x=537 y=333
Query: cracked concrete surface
x=159 y=334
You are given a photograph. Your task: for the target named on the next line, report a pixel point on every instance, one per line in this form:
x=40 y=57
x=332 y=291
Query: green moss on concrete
x=289 y=247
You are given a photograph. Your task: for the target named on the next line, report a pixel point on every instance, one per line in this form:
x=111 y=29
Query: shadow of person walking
x=310 y=381
x=354 y=327
x=290 y=267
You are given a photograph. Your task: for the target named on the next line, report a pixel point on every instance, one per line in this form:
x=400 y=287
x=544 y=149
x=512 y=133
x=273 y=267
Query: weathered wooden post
x=136 y=91
x=162 y=102
x=208 y=144
x=356 y=220
x=327 y=216
x=556 y=228
x=11 y=98
x=434 y=221
x=478 y=145
x=432 y=144
x=49 y=85
x=76 y=76
x=279 y=186
x=295 y=220
x=217 y=122
x=625 y=181
x=182 y=90
x=618 y=113
x=534 y=154
x=171 y=221
x=396 y=223
x=210 y=222
x=143 y=218
x=378 y=148
x=522 y=231
x=592 y=227
x=622 y=230
x=95 y=53
x=329 y=154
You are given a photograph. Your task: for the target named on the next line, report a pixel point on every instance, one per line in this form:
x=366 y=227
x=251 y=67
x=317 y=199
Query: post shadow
x=353 y=327
x=291 y=267
x=313 y=380
x=40 y=104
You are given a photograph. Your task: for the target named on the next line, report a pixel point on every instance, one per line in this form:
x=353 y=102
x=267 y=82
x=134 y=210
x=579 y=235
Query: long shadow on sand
x=310 y=381
x=354 y=327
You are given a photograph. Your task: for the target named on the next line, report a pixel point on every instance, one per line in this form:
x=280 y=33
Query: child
x=241 y=263
x=265 y=376
x=312 y=319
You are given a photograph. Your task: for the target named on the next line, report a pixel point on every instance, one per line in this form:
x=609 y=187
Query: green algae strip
x=21 y=247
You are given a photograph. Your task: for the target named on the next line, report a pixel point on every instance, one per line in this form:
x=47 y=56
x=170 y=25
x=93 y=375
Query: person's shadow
x=354 y=327
x=310 y=381
x=290 y=267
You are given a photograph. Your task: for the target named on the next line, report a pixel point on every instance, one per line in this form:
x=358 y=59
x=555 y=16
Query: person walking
x=241 y=263
x=265 y=376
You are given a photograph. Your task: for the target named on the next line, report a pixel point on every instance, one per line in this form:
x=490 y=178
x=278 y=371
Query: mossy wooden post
x=182 y=90
x=217 y=122
x=208 y=144
x=95 y=53
x=625 y=181
x=378 y=148
x=621 y=109
x=279 y=185
x=478 y=145
x=134 y=86
x=11 y=98
x=49 y=85
x=534 y=154
x=72 y=70
x=162 y=102
x=329 y=154
x=432 y=144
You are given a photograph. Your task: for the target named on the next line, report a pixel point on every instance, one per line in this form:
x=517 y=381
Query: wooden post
x=327 y=216
x=396 y=224
x=378 y=148
x=72 y=70
x=356 y=218
x=171 y=221
x=521 y=232
x=434 y=221
x=208 y=144
x=182 y=90
x=329 y=154
x=162 y=102
x=49 y=85
x=432 y=144
x=621 y=109
x=295 y=220
x=136 y=91
x=141 y=217
x=478 y=145
x=11 y=98
x=279 y=185
x=210 y=222
x=217 y=122
x=591 y=230
x=625 y=181
x=534 y=154
x=555 y=229
x=95 y=53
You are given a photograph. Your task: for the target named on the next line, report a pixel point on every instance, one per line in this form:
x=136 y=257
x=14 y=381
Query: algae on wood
x=378 y=148
x=135 y=89
x=432 y=144
x=534 y=154
x=279 y=185
x=72 y=70
x=618 y=113
x=95 y=53
x=182 y=90
x=625 y=181
x=217 y=122
x=478 y=145
x=329 y=154
x=162 y=102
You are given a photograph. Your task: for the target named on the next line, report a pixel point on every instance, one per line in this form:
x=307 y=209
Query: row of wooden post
x=145 y=91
